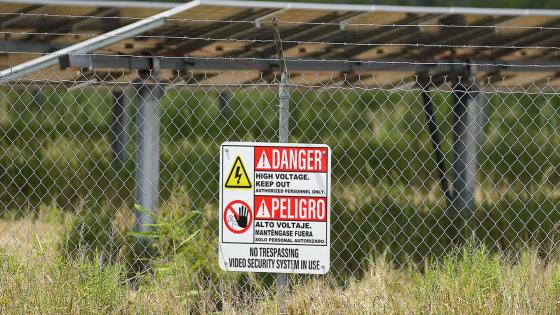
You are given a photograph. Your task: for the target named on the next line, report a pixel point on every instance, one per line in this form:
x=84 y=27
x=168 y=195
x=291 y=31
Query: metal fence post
x=283 y=134
x=119 y=128
x=147 y=151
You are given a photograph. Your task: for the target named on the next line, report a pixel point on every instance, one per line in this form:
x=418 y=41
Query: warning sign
x=237 y=177
x=280 y=220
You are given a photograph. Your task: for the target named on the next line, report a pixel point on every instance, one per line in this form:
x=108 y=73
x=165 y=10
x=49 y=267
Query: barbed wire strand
x=298 y=42
x=265 y=21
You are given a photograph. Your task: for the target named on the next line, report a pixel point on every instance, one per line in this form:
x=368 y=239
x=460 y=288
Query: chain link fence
x=414 y=171
x=111 y=158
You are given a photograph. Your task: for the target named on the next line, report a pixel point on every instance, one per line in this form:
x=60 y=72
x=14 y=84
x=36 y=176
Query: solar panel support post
x=435 y=137
x=283 y=137
x=147 y=151
x=39 y=98
x=224 y=97
x=468 y=107
x=119 y=128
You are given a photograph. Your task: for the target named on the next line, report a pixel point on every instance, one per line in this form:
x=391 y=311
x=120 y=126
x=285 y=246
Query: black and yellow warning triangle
x=238 y=177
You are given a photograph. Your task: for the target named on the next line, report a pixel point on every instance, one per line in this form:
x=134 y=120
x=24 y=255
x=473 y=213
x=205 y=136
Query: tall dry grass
x=36 y=280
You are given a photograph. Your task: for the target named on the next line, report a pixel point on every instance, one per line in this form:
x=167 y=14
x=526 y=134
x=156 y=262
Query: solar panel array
x=523 y=44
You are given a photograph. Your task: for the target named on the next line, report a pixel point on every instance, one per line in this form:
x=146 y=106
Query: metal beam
x=87 y=21
x=98 y=3
x=298 y=6
x=195 y=63
x=221 y=30
x=526 y=38
x=532 y=39
x=260 y=20
x=466 y=130
x=283 y=137
x=61 y=25
x=237 y=30
x=297 y=65
x=258 y=48
x=382 y=8
x=454 y=36
x=93 y=43
x=435 y=137
x=17 y=46
x=380 y=35
x=301 y=33
x=11 y=20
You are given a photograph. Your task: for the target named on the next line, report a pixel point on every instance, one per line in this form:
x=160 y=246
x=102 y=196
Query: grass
x=38 y=280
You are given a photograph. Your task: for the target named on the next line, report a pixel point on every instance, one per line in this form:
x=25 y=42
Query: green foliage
x=556 y=285
x=92 y=234
x=170 y=235
x=9 y=264
x=99 y=281
x=472 y=275
x=472 y=268
x=46 y=285
x=60 y=153
x=475 y=281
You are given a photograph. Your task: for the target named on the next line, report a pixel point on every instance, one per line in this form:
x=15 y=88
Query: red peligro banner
x=290 y=208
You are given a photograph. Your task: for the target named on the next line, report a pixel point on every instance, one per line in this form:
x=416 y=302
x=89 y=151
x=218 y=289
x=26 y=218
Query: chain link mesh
x=420 y=164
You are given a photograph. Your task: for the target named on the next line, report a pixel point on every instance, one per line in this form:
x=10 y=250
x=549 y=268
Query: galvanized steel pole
x=283 y=134
x=468 y=113
x=147 y=151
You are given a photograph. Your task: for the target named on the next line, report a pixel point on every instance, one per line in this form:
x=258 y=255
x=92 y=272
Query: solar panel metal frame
x=380 y=51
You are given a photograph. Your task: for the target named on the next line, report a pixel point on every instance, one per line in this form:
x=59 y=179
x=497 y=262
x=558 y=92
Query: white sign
x=275 y=207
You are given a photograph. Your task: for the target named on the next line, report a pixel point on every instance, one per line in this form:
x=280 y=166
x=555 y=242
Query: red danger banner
x=290 y=208
x=291 y=159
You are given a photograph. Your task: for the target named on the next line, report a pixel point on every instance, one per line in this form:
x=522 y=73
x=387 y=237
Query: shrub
x=93 y=233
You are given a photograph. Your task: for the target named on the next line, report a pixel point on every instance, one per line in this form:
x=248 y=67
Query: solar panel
x=313 y=32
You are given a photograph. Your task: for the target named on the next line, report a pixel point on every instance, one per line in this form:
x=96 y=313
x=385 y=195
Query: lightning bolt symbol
x=238 y=174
